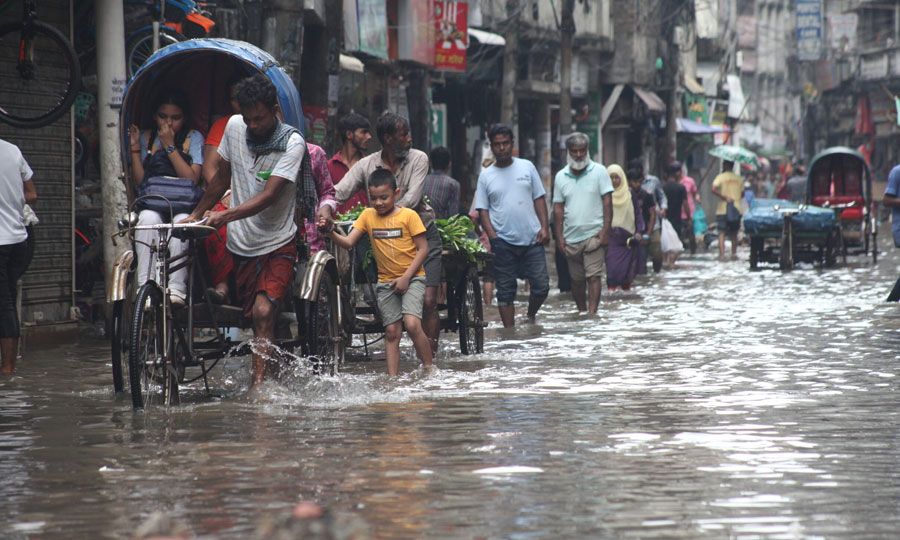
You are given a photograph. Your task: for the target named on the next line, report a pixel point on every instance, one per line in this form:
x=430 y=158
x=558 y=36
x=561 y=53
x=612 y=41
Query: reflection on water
x=714 y=403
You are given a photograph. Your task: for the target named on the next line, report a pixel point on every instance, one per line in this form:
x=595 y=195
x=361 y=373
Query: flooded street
x=713 y=403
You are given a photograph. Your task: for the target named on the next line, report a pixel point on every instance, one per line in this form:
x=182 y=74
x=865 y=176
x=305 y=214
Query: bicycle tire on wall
x=61 y=105
x=135 y=56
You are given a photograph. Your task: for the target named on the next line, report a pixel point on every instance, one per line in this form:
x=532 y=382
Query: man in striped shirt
x=440 y=188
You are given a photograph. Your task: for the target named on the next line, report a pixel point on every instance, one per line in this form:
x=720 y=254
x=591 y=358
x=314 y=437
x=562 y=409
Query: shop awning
x=685 y=125
x=486 y=38
x=351 y=63
x=692 y=85
x=649 y=97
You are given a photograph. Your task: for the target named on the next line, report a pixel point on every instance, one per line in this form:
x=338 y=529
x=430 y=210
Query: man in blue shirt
x=513 y=213
x=892 y=200
x=582 y=217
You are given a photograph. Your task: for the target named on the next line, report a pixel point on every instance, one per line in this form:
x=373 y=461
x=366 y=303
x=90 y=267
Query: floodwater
x=714 y=403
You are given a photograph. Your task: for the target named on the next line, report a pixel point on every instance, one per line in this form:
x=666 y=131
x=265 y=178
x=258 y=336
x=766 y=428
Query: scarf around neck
x=276 y=143
x=623 y=208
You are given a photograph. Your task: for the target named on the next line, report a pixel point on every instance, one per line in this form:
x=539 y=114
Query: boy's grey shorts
x=394 y=305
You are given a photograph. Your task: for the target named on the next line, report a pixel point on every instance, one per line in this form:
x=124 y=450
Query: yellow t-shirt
x=730 y=185
x=392 y=240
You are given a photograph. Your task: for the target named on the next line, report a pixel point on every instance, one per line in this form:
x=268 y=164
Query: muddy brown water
x=713 y=403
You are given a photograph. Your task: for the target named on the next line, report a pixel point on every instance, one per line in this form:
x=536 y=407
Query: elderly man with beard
x=582 y=218
x=410 y=167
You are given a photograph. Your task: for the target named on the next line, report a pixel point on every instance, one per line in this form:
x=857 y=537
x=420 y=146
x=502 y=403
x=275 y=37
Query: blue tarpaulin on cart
x=764 y=217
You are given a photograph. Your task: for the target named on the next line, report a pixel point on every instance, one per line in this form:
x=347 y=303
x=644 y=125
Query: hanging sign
x=450 y=19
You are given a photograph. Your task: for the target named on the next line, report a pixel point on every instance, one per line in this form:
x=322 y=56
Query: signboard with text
x=450 y=19
x=809 y=29
x=372 y=21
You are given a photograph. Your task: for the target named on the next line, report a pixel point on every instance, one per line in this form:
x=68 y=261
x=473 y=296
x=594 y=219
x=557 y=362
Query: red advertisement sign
x=450 y=19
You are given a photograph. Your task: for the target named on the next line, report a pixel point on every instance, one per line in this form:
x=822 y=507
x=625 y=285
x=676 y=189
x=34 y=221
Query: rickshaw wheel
x=756 y=249
x=119 y=334
x=471 y=314
x=118 y=337
x=323 y=332
x=153 y=381
x=831 y=249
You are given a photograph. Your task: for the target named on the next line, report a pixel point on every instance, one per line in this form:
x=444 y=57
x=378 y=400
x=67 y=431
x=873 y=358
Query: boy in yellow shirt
x=399 y=244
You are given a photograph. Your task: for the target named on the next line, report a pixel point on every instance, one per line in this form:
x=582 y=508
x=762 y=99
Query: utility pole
x=110 y=87
x=508 y=95
x=567 y=33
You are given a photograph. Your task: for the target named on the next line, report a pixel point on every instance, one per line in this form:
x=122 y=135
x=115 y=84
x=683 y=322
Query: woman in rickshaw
x=169 y=149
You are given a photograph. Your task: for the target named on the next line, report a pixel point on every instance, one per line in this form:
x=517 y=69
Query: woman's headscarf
x=623 y=208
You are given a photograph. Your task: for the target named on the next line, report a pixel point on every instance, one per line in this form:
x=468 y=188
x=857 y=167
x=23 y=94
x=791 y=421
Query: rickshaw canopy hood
x=838 y=174
x=202 y=68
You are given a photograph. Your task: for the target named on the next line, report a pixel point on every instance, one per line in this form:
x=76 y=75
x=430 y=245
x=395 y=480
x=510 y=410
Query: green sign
x=438 y=124
x=695 y=107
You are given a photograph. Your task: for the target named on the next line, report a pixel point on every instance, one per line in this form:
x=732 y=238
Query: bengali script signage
x=809 y=29
x=450 y=18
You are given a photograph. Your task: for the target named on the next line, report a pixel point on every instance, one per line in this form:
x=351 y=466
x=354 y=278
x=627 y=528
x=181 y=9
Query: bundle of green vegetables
x=352 y=214
x=455 y=236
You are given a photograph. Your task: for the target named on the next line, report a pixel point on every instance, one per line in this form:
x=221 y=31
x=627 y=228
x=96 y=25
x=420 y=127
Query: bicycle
x=47 y=75
x=173 y=21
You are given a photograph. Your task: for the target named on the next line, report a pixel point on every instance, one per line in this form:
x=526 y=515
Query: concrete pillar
x=282 y=35
x=544 y=142
x=510 y=62
x=110 y=87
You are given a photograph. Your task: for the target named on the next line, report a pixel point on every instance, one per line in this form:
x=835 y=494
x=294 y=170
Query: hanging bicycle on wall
x=42 y=74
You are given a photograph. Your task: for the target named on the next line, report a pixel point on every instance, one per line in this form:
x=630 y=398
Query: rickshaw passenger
x=171 y=148
x=260 y=159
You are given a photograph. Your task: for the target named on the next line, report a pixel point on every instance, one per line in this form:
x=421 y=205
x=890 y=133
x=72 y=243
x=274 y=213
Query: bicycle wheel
x=323 y=332
x=42 y=75
x=118 y=341
x=153 y=380
x=471 y=314
x=139 y=46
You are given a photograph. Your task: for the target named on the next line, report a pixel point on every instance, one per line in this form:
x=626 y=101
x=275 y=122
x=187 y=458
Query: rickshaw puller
x=260 y=161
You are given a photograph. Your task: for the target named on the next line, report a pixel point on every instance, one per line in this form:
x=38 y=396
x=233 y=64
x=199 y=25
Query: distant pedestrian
x=728 y=187
x=626 y=233
x=582 y=214
x=677 y=199
x=653 y=186
x=892 y=200
x=440 y=188
x=16 y=190
x=795 y=187
x=355 y=132
x=511 y=201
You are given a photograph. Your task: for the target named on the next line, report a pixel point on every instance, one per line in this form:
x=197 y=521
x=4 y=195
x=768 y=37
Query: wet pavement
x=712 y=403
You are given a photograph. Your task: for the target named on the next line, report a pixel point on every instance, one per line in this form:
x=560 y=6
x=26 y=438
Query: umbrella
x=730 y=152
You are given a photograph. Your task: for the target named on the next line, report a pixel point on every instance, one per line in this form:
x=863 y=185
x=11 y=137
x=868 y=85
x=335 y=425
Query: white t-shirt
x=14 y=171
x=274 y=226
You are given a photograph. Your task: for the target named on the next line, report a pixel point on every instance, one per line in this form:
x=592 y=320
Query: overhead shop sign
x=809 y=29
x=450 y=19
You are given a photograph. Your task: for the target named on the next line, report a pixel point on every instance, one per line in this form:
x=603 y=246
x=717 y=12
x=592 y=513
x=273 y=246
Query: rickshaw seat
x=854 y=213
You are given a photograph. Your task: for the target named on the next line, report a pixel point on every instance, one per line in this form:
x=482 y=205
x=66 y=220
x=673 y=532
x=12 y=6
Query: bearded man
x=582 y=218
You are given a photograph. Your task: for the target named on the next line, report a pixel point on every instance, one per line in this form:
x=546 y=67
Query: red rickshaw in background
x=839 y=178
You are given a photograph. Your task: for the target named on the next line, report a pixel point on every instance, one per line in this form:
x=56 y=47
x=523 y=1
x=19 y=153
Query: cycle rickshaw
x=839 y=179
x=160 y=347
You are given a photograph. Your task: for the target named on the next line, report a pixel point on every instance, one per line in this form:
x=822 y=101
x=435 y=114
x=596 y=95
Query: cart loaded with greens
x=460 y=305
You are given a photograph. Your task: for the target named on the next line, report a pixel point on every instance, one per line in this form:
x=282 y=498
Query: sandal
x=216 y=296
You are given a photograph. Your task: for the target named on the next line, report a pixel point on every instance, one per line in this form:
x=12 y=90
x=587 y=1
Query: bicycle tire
x=139 y=46
x=323 y=330
x=60 y=106
x=148 y=368
x=471 y=314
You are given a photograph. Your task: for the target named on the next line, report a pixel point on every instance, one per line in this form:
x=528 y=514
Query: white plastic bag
x=669 y=238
